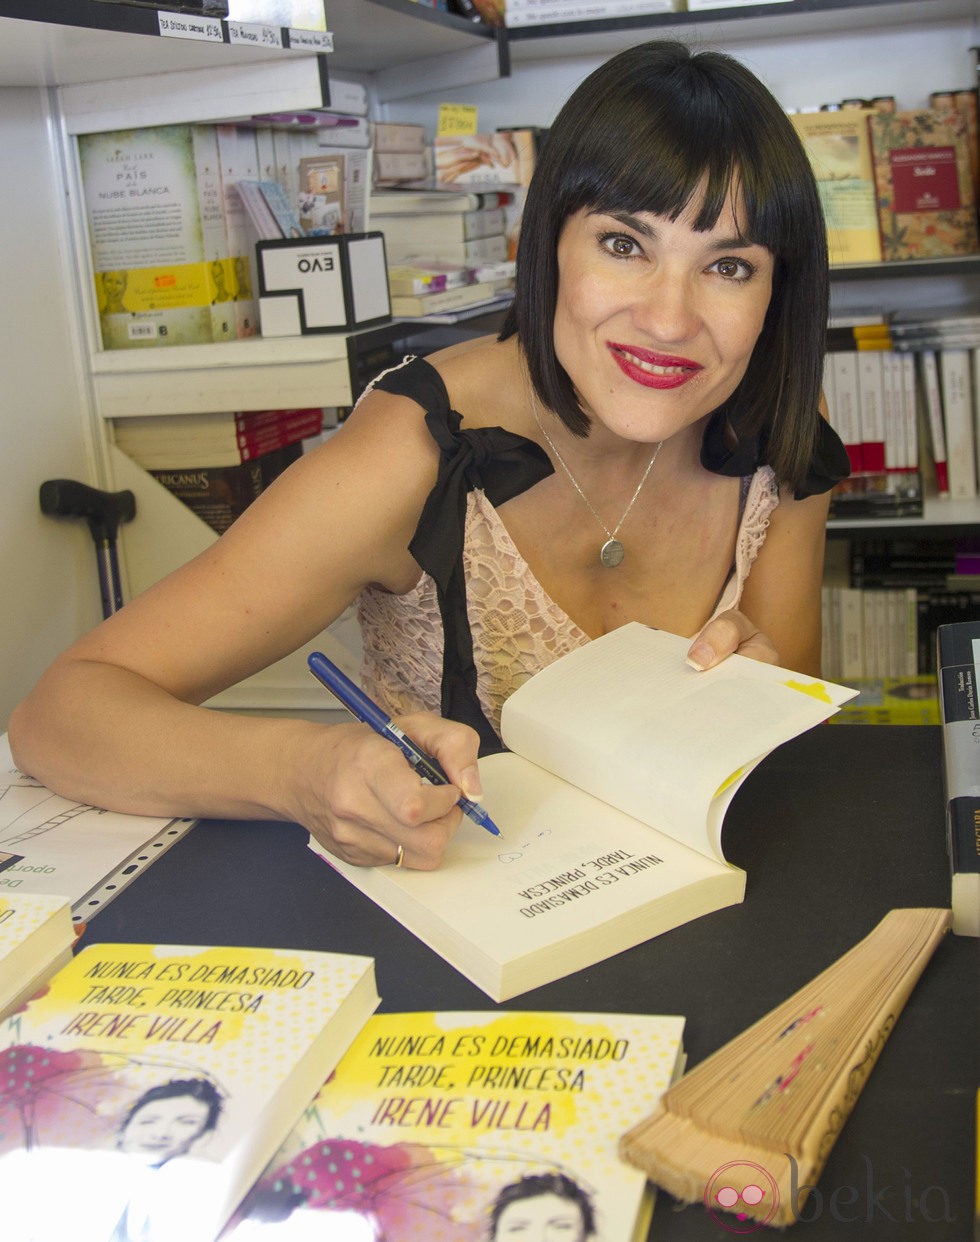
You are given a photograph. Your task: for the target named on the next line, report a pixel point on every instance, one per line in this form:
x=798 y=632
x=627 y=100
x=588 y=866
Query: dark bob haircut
x=647 y=131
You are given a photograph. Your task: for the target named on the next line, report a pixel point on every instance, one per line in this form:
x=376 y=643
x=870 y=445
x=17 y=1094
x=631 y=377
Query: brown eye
x=737 y=270
x=622 y=245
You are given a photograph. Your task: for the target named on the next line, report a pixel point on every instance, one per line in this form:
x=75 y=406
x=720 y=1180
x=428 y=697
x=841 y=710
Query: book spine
x=279 y=435
x=958 y=667
x=932 y=400
x=845 y=412
x=239 y=161
x=870 y=403
x=955 y=383
x=214 y=236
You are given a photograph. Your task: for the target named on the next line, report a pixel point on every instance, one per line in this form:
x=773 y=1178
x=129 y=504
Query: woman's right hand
x=361 y=800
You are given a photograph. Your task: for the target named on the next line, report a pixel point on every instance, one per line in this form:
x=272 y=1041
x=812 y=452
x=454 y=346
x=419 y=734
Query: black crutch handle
x=103 y=511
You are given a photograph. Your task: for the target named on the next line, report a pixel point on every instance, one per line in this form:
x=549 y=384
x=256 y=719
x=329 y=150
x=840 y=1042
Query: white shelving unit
x=87 y=65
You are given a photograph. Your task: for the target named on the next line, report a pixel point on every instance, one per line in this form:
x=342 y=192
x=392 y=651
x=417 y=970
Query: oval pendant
x=611 y=553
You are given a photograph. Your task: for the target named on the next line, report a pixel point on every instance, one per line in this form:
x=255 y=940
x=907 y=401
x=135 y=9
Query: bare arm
x=117 y=719
x=779 y=617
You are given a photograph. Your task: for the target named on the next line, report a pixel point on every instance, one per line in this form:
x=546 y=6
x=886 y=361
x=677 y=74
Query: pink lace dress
x=514 y=627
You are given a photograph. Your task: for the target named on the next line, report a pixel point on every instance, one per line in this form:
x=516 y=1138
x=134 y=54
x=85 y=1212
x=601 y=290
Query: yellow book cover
x=152 y=220
x=838 y=146
x=464 y=1127
x=149 y=1085
x=36 y=936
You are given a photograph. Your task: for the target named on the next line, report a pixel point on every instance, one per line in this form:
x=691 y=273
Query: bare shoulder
x=486 y=382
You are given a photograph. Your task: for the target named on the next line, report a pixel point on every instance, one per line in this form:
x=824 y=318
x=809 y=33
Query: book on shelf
x=36 y=939
x=495 y=160
x=282 y=209
x=321 y=206
x=611 y=810
x=421 y=229
x=357 y=180
x=346 y=131
x=264 y=221
x=157 y=236
x=926 y=206
x=397 y=136
x=958 y=674
x=435 y=1124
x=438 y=302
x=960 y=421
x=214 y=232
x=392 y=168
x=843 y=399
x=152 y=1083
x=964 y=101
x=184 y=441
x=748 y=1131
x=427 y=277
x=478 y=250
x=70 y=849
x=927 y=366
x=220 y=494
x=838 y=146
x=238 y=153
x=936 y=328
x=429 y=202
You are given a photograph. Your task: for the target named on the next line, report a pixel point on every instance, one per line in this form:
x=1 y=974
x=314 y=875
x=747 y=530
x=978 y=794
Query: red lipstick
x=653 y=370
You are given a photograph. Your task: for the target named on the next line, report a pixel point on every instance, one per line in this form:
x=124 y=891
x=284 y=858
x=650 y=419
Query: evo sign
x=322 y=284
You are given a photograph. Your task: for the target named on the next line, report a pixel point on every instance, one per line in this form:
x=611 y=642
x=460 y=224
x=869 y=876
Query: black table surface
x=834 y=829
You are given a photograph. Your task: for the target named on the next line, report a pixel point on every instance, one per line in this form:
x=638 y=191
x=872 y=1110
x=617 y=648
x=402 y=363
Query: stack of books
x=445 y=251
x=218 y=463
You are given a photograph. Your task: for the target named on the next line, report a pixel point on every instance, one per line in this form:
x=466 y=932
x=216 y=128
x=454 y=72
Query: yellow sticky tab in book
x=815 y=689
x=456 y=120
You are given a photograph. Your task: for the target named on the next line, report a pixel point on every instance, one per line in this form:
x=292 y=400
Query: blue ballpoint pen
x=367 y=711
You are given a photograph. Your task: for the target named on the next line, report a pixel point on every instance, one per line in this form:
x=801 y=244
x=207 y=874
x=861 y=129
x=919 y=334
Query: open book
x=622 y=763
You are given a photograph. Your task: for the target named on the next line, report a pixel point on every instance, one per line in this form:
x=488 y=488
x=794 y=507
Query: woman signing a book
x=642 y=442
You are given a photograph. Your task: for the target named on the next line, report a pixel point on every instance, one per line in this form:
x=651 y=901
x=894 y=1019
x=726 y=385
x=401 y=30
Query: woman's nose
x=667 y=307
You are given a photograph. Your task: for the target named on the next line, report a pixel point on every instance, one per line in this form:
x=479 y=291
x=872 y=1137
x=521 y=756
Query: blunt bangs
x=656 y=129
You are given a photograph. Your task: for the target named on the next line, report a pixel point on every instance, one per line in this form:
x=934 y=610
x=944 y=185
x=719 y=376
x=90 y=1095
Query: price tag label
x=311 y=40
x=182 y=26
x=457 y=120
x=255 y=36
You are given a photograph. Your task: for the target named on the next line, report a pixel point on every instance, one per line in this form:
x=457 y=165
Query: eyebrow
x=640 y=226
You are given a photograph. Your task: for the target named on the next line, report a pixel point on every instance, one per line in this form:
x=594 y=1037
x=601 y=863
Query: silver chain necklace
x=612 y=552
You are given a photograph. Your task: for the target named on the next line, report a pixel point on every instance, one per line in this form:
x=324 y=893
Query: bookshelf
x=85 y=65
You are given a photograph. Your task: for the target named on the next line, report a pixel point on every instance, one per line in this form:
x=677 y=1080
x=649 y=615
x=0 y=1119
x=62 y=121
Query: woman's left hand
x=730 y=632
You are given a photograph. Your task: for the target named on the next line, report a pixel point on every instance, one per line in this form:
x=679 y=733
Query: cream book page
x=628 y=720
